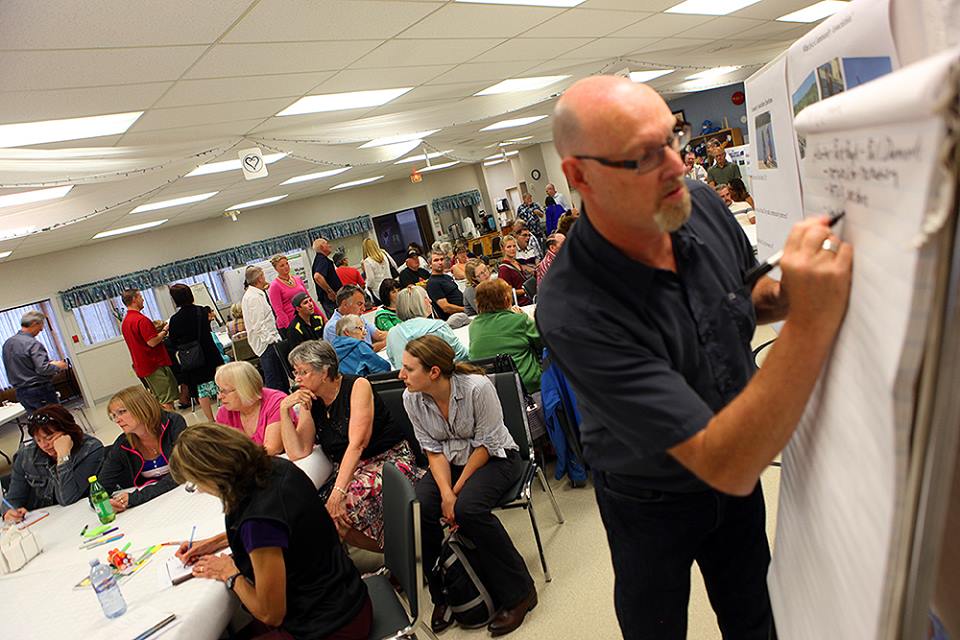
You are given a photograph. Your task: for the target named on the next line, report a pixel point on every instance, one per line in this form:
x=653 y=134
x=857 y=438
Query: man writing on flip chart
x=675 y=424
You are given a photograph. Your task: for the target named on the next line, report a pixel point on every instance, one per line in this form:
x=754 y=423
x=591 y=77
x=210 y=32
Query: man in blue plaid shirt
x=532 y=216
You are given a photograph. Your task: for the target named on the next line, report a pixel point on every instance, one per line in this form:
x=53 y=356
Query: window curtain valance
x=225 y=259
x=456 y=201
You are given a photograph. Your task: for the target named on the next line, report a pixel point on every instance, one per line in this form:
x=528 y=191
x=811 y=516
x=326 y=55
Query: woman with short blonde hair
x=236 y=327
x=247 y=406
x=139 y=458
x=287 y=565
x=378 y=265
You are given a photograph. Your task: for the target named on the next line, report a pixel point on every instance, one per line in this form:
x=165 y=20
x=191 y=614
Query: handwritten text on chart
x=845 y=164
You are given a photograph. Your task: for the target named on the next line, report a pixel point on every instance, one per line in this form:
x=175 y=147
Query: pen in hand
x=771 y=263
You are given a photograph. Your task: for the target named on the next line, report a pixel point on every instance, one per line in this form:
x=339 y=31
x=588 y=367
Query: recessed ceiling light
x=711 y=7
x=493 y=162
x=27 y=133
x=343 y=101
x=814 y=12
x=520 y=84
x=514 y=141
x=315 y=176
x=508 y=154
x=647 y=76
x=422 y=157
x=27 y=197
x=355 y=183
x=379 y=142
x=514 y=122
x=176 y=202
x=712 y=73
x=437 y=167
x=4 y=254
x=230 y=165
x=255 y=203
x=131 y=229
x=529 y=3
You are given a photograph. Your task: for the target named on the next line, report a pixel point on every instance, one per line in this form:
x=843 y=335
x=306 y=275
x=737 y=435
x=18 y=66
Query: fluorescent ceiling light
x=315 y=176
x=343 y=101
x=355 y=183
x=136 y=227
x=508 y=154
x=4 y=254
x=529 y=3
x=711 y=7
x=515 y=122
x=176 y=202
x=712 y=73
x=493 y=162
x=422 y=157
x=520 y=84
x=28 y=133
x=256 y=203
x=437 y=167
x=814 y=12
x=647 y=76
x=28 y=197
x=514 y=141
x=230 y=165
x=379 y=142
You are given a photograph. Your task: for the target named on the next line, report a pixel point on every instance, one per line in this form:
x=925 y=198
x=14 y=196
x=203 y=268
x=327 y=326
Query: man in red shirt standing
x=151 y=362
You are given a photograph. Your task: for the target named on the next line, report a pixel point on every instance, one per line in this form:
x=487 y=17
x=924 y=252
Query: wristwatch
x=232 y=580
x=64 y=459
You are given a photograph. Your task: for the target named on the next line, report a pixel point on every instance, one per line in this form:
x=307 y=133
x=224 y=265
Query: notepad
x=31 y=518
x=177 y=571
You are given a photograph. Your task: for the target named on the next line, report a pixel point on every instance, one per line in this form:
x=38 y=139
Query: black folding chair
x=530 y=287
x=391 y=392
x=401 y=557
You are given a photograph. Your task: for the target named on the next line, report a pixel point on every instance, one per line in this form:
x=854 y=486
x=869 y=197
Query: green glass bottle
x=100 y=500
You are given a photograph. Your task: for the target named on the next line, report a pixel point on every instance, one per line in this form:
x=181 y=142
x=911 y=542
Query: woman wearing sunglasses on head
x=139 y=458
x=53 y=469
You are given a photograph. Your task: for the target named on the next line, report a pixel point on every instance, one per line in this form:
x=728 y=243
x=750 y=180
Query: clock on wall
x=535 y=174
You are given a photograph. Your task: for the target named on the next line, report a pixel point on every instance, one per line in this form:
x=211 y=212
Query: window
x=51 y=337
x=215 y=284
x=100 y=321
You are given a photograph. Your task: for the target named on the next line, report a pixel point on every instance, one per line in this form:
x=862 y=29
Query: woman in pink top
x=249 y=407
x=282 y=290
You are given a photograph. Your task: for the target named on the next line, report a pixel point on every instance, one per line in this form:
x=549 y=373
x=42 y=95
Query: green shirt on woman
x=386 y=319
x=513 y=334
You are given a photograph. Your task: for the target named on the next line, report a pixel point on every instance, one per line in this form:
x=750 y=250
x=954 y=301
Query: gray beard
x=672 y=217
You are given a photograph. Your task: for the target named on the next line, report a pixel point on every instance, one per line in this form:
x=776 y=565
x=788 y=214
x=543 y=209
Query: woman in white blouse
x=458 y=421
x=378 y=265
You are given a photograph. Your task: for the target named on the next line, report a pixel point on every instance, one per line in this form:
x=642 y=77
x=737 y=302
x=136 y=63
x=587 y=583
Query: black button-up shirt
x=652 y=355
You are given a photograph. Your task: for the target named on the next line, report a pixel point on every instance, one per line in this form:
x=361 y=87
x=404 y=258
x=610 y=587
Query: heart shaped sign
x=253 y=162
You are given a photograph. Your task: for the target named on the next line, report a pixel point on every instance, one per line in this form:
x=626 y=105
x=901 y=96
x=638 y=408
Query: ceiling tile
x=773 y=30
x=225 y=60
x=480 y=21
x=365 y=79
x=609 y=48
x=580 y=22
x=299 y=20
x=30 y=70
x=772 y=9
x=430 y=93
x=662 y=25
x=628 y=5
x=214 y=90
x=425 y=51
x=188 y=134
x=479 y=71
x=115 y=23
x=175 y=117
x=535 y=49
x=721 y=27
x=29 y=106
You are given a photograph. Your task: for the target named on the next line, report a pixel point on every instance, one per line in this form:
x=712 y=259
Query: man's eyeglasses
x=650 y=160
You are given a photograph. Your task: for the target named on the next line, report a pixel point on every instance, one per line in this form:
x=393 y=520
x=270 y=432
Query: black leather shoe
x=441 y=619
x=508 y=620
x=578 y=484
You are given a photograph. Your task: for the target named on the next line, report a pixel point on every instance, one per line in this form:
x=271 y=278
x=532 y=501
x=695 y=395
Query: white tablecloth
x=39 y=601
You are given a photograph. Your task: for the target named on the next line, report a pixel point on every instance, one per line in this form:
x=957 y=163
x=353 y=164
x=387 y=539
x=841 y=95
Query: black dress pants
x=496 y=561
x=655 y=537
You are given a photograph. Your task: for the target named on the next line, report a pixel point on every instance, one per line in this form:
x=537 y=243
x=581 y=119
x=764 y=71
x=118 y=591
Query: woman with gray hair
x=413 y=307
x=356 y=356
x=352 y=425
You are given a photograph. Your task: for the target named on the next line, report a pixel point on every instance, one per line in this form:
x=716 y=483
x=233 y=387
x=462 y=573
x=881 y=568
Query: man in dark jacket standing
x=29 y=369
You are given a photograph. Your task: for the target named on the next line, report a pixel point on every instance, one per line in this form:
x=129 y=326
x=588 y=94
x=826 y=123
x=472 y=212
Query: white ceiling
x=218 y=71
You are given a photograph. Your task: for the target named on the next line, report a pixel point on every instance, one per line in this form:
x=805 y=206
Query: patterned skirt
x=364 y=500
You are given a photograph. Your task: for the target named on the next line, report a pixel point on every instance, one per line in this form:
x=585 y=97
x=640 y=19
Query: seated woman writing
x=458 y=420
x=139 y=458
x=352 y=425
x=53 y=469
x=247 y=406
x=288 y=567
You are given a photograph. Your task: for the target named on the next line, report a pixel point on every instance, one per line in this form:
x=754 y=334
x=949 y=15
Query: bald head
x=597 y=108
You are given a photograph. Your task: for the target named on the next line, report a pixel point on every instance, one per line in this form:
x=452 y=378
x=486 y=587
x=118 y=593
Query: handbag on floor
x=469 y=601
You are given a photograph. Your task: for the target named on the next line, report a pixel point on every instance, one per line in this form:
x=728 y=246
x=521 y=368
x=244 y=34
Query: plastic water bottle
x=108 y=591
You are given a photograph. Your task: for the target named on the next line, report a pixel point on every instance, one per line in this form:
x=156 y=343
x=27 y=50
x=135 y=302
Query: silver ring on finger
x=830 y=245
